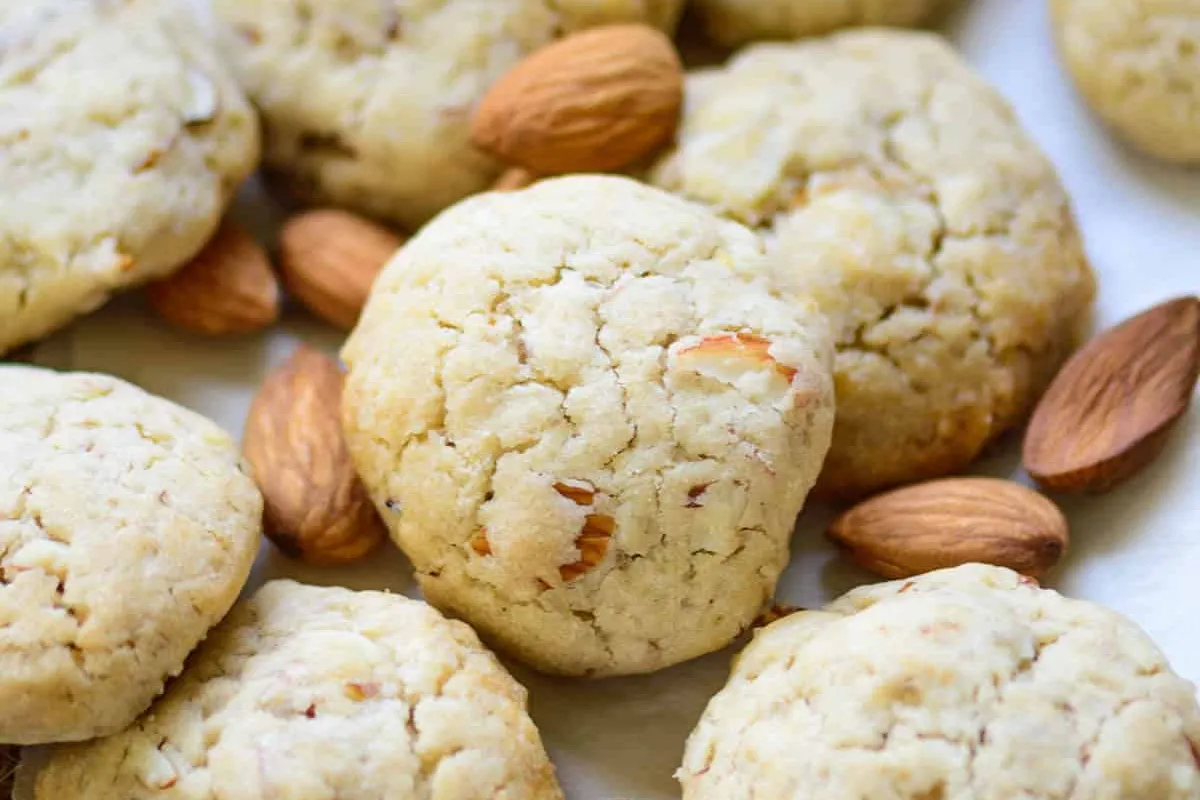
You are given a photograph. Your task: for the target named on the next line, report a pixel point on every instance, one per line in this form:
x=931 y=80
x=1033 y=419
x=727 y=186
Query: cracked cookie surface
x=735 y=22
x=310 y=693
x=367 y=103
x=123 y=138
x=590 y=420
x=128 y=526
x=1137 y=62
x=897 y=188
x=963 y=684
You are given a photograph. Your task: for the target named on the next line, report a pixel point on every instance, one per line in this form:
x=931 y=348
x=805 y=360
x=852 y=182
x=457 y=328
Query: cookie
x=367 y=105
x=897 y=188
x=1137 y=63
x=590 y=420
x=128 y=526
x=970 y=683
x=123 y=139
x=735 y=22
x=312 y=693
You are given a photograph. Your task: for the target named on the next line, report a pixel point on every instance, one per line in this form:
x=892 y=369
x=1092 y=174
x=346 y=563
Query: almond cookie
x=1137 y=62
x=735 y=22
x=310 y=693
x=589 y=420
x=367 y=104
x=966 y=684
x=123 y=138
x=898 y=189
x=127 y=528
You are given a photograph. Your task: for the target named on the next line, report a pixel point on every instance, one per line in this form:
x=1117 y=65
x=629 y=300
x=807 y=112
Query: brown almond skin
x=227 y=289
x=514 y=179
x=950 y=522
x=1111 y=409
x=594 y=101
x=315 y=507
x=330 y=259
x=9 y=757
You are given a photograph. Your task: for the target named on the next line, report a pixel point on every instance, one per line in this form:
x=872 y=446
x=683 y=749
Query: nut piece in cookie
x=1136 y=63
x=123 y=139
x=590 y=420
x=896 y=188
x=309 y=692
x=967 y=683
x=128 y=526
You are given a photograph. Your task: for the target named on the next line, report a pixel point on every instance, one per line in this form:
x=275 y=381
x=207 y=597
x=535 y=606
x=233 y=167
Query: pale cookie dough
x=367 y=104
x=121 y=140
x=898 y=189
x=310 y=693
x=128 y=526
x=1137 y=62
x=590 y=421
x=735 y=22
x=965 y=684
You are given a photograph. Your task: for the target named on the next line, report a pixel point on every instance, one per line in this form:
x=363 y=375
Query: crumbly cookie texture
x=964 y=684
x=735 y=22
x=1137 y=62
x=590 y=420
x=128 y=526
x=123 y=138
x=898 y=189
x=310 y=693
x=367 y=104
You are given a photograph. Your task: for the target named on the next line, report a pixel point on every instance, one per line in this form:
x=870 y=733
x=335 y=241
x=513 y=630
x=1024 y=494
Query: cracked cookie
x=128 y=526
x=1137 y=62
x=123 y=138
x=590 y=420
x=367 y=104
x=966 y=684
x=312 y=693
x=735 y=22
x=897 y=188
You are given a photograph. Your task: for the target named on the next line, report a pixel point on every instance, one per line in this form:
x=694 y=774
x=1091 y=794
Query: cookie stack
x=587 y=407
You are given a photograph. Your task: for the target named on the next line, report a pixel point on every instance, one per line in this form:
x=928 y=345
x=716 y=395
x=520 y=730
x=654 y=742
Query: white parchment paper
x=1136 y=549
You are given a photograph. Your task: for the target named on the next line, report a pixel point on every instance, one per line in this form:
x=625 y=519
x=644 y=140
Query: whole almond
x=954 y=521
x=316 y=509
x=228 y=288
x=330 y=259
x=594 y=101
x=1111 y=408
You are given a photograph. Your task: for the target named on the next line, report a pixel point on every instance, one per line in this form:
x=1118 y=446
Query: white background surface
x=1136 y=549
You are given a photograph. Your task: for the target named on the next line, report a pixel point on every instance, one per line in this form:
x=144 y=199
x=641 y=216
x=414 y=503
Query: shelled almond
x=1112 y=407
x=330 y=259
x=594 y=101
x=316 y=509
x=950 y=522
x=228 y=288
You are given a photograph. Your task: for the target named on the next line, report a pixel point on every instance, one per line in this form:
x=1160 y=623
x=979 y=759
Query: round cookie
x=898 y=189
x=590 y=420
x=123 y=138
x=735 y=22
x=970 y=683
x=1137 y=62
x=309 y=693
x=367 y=104
x=128 y=526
